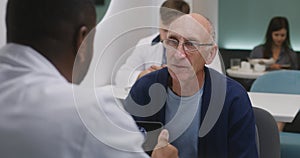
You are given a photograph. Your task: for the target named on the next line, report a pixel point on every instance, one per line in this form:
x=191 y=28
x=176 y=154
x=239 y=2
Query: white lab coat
x=44 y=116
x=144 y=55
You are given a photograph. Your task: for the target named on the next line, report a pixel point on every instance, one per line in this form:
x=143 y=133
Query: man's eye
x=173 y=42
x=189 y=44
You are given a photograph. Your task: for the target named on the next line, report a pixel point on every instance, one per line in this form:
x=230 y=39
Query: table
x=283 y=107
x=248 y=74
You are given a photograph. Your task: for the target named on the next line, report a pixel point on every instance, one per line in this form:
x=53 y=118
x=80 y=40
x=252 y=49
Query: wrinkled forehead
x=190 y=29
x=163 y=26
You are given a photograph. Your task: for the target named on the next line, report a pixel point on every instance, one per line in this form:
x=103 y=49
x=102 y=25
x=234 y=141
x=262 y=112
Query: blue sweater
x=226 y=108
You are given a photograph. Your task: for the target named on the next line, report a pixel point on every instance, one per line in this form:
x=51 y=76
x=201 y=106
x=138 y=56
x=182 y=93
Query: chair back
x=281 y=81
x=268 y=135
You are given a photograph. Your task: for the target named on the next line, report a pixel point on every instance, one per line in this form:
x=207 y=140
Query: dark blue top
x=285 y=58
x=227 y=120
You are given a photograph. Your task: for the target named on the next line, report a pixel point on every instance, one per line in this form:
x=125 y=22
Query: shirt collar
x=155 y=40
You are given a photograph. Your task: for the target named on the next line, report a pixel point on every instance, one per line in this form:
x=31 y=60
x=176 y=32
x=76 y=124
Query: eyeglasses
x=188 y=46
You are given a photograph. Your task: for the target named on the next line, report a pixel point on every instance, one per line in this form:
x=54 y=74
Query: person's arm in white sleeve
x=112 y=131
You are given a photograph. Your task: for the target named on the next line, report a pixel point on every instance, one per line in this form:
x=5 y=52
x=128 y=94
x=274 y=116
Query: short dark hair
x=171 y=9
x=38 y=19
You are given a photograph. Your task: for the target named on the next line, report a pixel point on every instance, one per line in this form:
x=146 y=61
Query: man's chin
x=184 y=77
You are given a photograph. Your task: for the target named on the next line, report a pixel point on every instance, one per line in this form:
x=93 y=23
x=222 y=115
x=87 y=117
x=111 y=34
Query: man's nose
x=180 y=52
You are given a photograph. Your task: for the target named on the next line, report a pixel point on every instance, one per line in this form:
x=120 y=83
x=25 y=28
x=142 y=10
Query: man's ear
x=80 y=44
x=212 y=53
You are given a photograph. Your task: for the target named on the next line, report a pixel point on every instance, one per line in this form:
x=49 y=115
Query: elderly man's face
x=188 y=58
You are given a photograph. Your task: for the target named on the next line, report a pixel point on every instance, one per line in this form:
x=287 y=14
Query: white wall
x=2 y=22
x=208 y=8
x=117 y=6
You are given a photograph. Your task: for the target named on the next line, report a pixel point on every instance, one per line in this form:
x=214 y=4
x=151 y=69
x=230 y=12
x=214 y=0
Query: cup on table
x=259 y=67
x=245 y=66
x=235 y=63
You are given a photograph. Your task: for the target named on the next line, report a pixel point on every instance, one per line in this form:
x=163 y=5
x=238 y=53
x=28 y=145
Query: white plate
x=286 y=66
x=261 y=61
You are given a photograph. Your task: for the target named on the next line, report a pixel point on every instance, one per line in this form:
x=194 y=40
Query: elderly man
x=48 y=52
x=149 y=54
x=208 y=115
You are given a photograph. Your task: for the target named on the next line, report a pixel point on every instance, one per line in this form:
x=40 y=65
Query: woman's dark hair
x=276 y=24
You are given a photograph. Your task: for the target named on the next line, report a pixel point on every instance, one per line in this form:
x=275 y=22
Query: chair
x=289 y=144
x=288 y=82
x=281 y=81
x=267 y=132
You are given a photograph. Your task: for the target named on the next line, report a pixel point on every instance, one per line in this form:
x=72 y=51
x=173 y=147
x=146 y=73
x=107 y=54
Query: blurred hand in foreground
x=163 y=149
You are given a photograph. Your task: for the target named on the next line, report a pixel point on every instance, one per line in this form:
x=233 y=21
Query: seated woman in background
x=277 y=46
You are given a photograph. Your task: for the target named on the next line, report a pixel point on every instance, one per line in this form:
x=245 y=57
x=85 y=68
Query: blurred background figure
x=277 y=46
